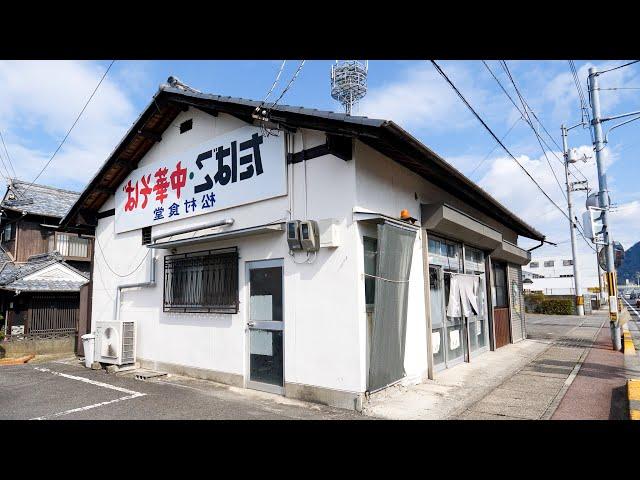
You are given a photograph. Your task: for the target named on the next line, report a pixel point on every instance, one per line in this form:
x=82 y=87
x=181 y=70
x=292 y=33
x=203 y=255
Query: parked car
x=638 y=302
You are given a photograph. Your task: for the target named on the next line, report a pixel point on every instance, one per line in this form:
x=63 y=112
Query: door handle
x=251 y=324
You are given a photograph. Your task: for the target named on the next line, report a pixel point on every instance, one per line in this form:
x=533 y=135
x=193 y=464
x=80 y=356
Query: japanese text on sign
x=239 y=167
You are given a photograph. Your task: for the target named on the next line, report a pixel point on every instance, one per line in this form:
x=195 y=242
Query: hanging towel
x=463 y=295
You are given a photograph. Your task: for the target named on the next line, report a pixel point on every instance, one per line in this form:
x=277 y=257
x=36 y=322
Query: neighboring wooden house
x=42 y=269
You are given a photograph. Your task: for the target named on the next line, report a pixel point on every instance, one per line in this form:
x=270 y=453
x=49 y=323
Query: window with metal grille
x=146 y=235
x=205 y=282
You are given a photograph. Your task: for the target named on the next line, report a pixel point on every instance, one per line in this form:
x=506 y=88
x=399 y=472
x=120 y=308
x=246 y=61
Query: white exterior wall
x=322 y=335
x=553 y=283
x=386 y=187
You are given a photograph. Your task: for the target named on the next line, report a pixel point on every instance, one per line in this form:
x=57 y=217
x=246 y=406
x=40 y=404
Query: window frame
x=534 y=265
x=371 y=280
x=8 y=225
x=172 y=263
x=549 y=264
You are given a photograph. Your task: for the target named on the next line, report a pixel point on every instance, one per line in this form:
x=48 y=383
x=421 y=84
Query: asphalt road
x=66 y=390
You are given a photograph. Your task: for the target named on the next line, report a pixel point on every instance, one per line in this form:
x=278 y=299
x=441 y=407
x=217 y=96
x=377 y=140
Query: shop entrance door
x=448 y=334
x=502 y=325
x=265 y=326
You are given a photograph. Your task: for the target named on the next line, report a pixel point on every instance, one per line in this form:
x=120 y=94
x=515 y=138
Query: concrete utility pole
x=603 y=200
x=572 y=226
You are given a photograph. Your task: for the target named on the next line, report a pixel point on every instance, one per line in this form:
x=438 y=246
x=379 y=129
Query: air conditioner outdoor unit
x=115 y=342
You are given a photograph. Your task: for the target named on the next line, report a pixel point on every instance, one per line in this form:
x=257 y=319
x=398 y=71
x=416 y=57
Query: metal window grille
x=205 y=282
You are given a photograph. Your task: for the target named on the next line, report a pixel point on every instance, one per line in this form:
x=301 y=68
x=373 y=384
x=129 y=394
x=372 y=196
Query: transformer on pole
x=349 y=82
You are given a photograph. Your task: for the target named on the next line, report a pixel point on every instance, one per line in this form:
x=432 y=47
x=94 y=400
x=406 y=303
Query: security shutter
x=516 y=302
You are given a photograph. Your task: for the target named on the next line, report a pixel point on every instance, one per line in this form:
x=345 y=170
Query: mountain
x=630 y=265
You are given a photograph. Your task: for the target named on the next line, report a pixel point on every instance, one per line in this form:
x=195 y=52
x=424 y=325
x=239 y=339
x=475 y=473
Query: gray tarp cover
x=395 y=250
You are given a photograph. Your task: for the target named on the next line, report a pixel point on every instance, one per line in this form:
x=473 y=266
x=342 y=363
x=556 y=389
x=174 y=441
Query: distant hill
x=630 y=265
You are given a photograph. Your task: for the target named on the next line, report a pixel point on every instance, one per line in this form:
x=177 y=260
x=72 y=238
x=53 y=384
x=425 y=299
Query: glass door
x=456 y=335
x=265 y=326
x=436 y=310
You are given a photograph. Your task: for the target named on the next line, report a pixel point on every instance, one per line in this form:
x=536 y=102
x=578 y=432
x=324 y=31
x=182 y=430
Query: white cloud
x=420 y=98
x=44 y=97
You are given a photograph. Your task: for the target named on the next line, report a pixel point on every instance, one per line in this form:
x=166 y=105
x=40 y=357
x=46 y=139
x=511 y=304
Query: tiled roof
x=12 y=274
x=38 y=199
x=45 y=285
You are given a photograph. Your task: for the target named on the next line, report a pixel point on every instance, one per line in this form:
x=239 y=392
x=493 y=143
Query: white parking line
x=131 y=394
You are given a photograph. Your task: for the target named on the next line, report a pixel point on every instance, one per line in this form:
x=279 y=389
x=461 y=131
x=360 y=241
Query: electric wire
x=72 y=126
x=494 y=147
x=524 y=107
x=275 y=82
x=111 y=269
x=293 y=78
x=8 y=156
x=618 y=67
x=504 y=90
x=479 y=118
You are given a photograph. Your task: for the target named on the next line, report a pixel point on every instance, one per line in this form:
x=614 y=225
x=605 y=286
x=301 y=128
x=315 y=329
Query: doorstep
x=456 y=388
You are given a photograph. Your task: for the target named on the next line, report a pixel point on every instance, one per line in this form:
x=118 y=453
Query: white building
x=219 y=294
x=553 y=275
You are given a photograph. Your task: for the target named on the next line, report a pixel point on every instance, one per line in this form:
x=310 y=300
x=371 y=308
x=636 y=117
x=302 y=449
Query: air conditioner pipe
x=217 y=223
x=149 y=283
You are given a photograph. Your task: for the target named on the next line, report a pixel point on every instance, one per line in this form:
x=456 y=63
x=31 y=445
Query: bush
x=554 y=307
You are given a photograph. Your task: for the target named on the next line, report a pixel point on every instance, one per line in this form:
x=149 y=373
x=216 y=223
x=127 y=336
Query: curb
x=633 y=394
x=631 y=363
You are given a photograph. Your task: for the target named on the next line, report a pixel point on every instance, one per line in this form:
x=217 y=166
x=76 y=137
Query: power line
x=70 y=129
x=274 y=83
x=620 y=88
x=8 y=156
x=504 y=90
x=619 y=66
x=524 y=107
x=455 y=89
x=293 y=78
x=495 y=146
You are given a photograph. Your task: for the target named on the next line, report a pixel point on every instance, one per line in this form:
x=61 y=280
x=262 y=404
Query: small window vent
x=146 y=235
x=186 y=126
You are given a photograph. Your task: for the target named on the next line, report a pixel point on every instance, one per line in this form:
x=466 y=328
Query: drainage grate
x=146 y=375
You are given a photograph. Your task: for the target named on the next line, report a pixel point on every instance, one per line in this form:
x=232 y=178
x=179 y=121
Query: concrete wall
x=44 y=346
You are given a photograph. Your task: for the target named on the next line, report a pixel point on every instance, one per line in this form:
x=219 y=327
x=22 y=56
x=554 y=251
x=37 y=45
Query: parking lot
x=67 y=390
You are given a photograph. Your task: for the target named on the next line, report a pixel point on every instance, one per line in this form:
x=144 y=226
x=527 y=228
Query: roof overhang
x=382 y=135
x=451 y=222
x=511 y=253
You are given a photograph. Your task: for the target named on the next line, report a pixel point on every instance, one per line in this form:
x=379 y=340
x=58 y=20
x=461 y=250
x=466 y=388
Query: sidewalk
x=456 y=388
x=526 y=380
x=599 y=391
x=535 y=392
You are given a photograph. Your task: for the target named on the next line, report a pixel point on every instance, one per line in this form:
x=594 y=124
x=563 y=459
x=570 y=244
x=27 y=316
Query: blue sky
x=40 y=99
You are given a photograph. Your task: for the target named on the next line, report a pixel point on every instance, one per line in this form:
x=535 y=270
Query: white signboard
x=242 y=166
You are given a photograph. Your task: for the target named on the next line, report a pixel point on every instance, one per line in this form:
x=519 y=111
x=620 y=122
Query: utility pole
x=603 y=200
x=572 y=226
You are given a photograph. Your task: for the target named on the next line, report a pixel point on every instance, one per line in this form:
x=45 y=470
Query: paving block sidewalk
x=526 y=380
x=535 y=391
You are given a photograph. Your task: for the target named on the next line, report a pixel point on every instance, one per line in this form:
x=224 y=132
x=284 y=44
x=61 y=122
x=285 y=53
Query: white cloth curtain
x=463 y=295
